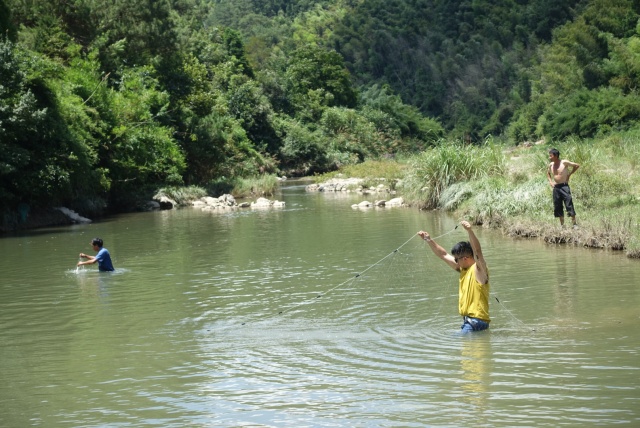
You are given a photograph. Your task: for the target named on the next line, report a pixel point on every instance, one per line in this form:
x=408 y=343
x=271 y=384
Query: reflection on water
x=314 y=315
x=476 y=368
x=564 y=288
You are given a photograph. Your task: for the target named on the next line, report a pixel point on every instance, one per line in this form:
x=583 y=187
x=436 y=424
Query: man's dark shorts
x=562 y=193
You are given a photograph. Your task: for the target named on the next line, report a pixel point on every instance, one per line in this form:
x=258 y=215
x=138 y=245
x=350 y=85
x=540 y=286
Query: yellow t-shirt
x=473 y=300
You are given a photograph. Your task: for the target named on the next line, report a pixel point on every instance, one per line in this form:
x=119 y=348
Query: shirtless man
x=558 y=174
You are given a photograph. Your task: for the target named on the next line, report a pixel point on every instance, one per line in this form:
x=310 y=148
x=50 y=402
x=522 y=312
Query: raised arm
x=482 y=273
x=440 y=252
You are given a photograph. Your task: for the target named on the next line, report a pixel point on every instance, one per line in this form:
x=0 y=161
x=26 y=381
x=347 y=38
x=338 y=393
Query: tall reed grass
x=263 y=185
x=446 y=164
x=181 y=195
x=495 y=200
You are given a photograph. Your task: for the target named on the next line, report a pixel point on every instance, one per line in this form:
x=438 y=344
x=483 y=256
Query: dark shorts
x=562 y=194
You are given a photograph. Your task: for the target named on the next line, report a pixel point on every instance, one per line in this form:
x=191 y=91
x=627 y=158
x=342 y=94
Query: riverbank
x=506 y=188
x=498 y=187
x=35 y=220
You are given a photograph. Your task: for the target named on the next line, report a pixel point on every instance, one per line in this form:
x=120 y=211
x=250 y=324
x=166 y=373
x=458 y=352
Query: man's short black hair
x=97 y=242
x=555 y=152
x=462 y=248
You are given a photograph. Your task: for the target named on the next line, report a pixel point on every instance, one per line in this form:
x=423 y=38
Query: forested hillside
x=102 y=103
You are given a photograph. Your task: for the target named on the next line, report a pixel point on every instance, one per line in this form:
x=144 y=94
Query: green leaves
x=23 y=120
x=7 y=29
x=408 y=119
x=586 y=113
x=141 y=151
x=106 y=100
x=317 y=78
x=586 y=81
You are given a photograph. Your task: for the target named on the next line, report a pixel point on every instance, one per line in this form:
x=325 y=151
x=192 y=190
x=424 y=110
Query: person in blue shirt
x=103 y=258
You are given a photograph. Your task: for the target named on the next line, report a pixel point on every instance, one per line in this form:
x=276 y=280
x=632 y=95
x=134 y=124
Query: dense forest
x=103 y=102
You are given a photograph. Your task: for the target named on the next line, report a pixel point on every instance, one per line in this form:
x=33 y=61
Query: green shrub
x=264 y=185
x=586 y=113
x=495 y=199
x=304 y=151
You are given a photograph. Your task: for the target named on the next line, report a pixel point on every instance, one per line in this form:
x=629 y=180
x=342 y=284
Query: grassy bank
x=506 y=188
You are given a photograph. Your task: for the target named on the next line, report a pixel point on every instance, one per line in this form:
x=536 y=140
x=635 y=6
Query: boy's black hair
x=97 y=241
x=462 y=248
x=555 y=152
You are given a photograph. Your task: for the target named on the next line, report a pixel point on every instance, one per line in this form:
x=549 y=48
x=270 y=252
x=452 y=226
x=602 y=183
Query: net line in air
x=388 y=261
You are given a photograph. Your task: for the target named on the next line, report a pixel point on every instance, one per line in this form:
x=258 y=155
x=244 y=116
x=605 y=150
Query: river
x=313 y=315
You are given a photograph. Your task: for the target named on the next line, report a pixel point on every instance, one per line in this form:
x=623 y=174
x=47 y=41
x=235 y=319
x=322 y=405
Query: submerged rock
x=266 y=203
x=227 y=202
x=349 y=185
x=395 y=202
x=335 y=185
x=166 y=203
x=208 y=203
x=363 y=204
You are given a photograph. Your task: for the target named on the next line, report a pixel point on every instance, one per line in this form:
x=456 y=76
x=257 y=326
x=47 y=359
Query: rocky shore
x=62 y=216
x=227 y=202
x=356 y=185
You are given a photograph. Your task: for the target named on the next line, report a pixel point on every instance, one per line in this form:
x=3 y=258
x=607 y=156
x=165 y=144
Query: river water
x=312 y=315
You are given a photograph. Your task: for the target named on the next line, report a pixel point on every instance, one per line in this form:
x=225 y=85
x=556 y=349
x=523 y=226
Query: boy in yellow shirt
x=473 y=296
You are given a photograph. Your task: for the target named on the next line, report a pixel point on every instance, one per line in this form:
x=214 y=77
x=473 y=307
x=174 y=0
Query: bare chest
x=559 y=170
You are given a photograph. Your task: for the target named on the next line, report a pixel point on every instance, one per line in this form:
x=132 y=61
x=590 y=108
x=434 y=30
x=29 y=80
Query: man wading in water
x=558 y=174
x=103 y=258
x=473 y=296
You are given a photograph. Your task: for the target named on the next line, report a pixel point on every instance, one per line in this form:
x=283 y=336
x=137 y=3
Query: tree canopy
x=103 y=102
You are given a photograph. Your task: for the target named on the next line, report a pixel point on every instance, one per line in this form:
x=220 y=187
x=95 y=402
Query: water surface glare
x=312 y=315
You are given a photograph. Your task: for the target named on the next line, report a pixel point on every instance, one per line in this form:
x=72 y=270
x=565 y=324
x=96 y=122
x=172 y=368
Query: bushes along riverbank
x=506 y=188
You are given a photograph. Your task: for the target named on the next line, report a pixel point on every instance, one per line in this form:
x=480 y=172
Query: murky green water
x=306 y=316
